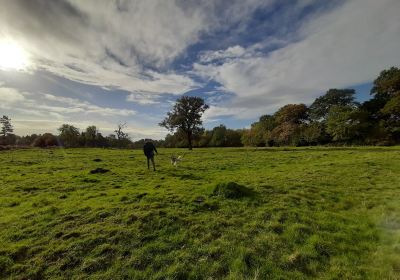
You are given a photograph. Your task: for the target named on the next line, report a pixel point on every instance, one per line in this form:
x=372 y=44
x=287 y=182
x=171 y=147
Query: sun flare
x=12 y=56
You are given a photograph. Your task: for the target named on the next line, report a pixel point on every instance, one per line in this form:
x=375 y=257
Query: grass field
x=331 y=213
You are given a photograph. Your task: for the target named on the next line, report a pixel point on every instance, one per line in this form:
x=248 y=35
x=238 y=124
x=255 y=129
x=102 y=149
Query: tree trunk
x=189 y=135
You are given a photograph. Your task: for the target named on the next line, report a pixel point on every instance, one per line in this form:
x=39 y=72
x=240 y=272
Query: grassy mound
x=232 y=190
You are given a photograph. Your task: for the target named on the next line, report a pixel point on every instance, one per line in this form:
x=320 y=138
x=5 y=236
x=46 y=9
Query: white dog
x=175 y=160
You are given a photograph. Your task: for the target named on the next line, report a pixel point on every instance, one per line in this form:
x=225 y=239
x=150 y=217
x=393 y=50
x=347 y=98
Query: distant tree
x=233 y=138
x=342 y=123
x=45 y=140
x=253 y=137
x=286 y=123
x=248 y=138
x=387 y=83
x=292 y=113
x=268 y=122
x=205 y=138
x=392 y=108
x=258 y=134
x=170 y=141
x=186 y=116
x=90 y=136
x=391 y=117
x=219 y=137
x=383 y=110
x=287 y=133
x=6 y=126
x=120 y=133
x=123 y=140
x=69 y=135
x=101 y=141
x=27 y=140
x=334 y=97
x=313 y=134
x=112 y=140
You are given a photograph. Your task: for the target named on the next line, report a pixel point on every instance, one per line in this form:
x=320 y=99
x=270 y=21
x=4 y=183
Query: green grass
x=331 y=213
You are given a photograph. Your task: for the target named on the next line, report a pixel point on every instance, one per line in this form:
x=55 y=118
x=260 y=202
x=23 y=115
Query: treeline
x=70 y=137
x=334 y=118
x=219 y=136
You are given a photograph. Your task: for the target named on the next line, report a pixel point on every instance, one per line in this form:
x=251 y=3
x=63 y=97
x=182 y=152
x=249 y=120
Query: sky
x=101 y=63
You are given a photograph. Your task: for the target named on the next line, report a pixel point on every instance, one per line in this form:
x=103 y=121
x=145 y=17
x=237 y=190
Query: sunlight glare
x=12 y=56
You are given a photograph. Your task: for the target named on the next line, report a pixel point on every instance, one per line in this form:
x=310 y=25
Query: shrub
x=232 y=190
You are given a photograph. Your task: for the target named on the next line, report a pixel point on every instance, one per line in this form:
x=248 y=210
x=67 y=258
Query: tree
x=45 y=140
x=387 y=83
x=287 y=122
x=69 y=135
x=186 y=117
x=205 y=138
x=120 y=133
x=267 y=122
x=293 y=113
x=344 y=124
x=123 y=140
x=27 y=140
x=249 y=138
x=287 y=133
x=6 y=127
x=90 y=136
x=233 y=138
x=391 y=114
x=383 y=109
x=334 y=97
x=313 y=134
x=101 y=141
x=112 y=140
x=218 y=138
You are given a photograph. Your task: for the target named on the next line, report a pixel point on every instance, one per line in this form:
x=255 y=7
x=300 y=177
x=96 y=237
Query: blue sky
x=104 y=62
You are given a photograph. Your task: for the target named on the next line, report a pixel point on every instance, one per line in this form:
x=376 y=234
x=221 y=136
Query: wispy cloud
x=47 y=105
x=143 y=98
x=256 y=55
x=347 y=46
x=116 y=44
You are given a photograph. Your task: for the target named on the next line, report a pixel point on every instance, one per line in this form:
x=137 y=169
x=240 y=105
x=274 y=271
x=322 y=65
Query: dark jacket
x=149 y=149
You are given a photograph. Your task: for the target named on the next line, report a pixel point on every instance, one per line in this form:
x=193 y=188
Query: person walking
x=149 y=150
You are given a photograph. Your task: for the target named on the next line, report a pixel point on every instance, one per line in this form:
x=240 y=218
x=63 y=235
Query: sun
x=12 y=56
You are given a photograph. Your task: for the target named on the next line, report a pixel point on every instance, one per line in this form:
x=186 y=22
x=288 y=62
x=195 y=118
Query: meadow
x=228 y=213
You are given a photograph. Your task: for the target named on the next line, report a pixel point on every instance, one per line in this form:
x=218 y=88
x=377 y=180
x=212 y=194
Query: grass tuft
x=232 y=190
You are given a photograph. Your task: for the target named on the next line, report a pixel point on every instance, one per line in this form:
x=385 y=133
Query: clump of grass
x=232 y=190
x=5 y=265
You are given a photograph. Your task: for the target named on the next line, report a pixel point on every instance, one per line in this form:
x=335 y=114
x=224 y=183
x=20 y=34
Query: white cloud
x=117 y=44
x=72 y=105
x=229 y=53
x=44 y=106
x=143 y=99
x=347 y=46
x=10 y=95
